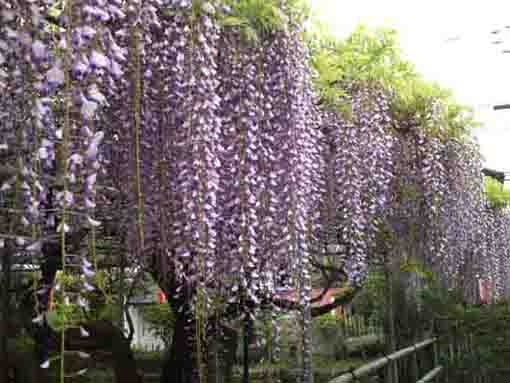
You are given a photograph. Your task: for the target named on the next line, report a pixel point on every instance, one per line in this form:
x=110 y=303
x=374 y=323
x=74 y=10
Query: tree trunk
x=104 y=336
x=25 y=365
x=181 y=365
x=246 y=349
x=230 y=340
x=124 y=363
x=306 y=325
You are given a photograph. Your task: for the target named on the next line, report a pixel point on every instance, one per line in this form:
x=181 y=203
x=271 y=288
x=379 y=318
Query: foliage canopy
x=373 y=57
x=497 y=196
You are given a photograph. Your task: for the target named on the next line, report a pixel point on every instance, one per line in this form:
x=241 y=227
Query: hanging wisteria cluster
x=56 y=72
x=439 y=212
x=359 y=175
x=231 y=177
x=460 y=211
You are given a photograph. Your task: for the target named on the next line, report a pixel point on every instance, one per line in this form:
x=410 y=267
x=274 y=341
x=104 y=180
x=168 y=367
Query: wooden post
x=414 y=366
x=122 y=297
x=471 y=345
x=450 y=348
x=432 y=374
x=246 y=348
x=456 y=341
x=435 y=350
x=391 y=346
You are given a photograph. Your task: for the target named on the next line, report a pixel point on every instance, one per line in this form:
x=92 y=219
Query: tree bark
x=246 y=349
x=230 y=340
x=306 y=325
x=109 y=337
x=181 y=365
x=104 y=336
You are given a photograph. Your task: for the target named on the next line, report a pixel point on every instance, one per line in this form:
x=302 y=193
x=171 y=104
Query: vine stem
x=201 y=303
x=63 y=165
x=92 y=240
x=136 y=110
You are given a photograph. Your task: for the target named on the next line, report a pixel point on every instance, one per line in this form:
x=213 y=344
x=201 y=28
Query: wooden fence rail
x=377 y=364
x=432 y=374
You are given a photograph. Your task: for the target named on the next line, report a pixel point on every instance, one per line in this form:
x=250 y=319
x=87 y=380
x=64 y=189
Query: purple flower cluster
x=358 y=176
x=230 y=175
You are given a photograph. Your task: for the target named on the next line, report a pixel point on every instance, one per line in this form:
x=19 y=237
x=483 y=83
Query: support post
x=246 y=349
x=435 y=349
x=415 y=370
x=391 y=346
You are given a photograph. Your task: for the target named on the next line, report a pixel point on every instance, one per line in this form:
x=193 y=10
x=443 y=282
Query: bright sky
x=450 y=41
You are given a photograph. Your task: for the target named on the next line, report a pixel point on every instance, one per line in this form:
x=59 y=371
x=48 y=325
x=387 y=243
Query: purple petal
x=55 y=76
x=39 y=50
x=99 y=60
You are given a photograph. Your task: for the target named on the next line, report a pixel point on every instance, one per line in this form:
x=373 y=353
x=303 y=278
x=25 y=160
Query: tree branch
x=321 y=266
x=347 y=297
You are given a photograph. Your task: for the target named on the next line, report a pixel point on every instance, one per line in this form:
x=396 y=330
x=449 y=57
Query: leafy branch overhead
x=373 y=58
x=497 y=195
x=258 y=19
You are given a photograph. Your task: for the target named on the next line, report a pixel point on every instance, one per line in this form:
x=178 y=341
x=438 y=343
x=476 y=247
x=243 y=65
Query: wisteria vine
x=233 y=176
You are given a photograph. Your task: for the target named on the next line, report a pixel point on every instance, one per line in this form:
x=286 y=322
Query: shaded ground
x=324 y=371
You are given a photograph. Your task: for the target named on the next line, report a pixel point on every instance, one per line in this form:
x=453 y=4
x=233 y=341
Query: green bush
x=371 y=300
x=161 y=320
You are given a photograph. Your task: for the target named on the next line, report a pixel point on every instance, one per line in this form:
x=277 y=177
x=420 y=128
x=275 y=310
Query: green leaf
x=232 y=21
x=54 y=321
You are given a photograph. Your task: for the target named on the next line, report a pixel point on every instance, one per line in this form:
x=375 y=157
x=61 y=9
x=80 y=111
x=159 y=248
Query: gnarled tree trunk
x=181 y=365
x=104 y=336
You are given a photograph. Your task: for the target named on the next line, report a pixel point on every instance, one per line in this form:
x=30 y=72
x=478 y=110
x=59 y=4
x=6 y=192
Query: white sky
x=450 y=42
